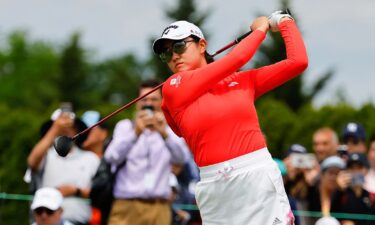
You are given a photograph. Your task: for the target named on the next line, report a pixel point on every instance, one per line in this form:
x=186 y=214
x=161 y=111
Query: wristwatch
x=78 y=192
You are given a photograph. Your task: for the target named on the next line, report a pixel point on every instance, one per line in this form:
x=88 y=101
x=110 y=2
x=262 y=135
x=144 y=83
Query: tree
x=74 y=72
x=28 y=70
x=293 y=92
x=117 y=79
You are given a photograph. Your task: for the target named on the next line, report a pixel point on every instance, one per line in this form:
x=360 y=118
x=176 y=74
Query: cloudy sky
x=339 y=34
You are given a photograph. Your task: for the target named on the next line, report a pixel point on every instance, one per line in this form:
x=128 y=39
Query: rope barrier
x=301 y=213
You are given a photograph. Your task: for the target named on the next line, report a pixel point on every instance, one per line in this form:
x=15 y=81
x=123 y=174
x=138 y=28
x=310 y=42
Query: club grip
x=242 y=37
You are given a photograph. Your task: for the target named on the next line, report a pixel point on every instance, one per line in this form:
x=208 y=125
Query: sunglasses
x=178 y=47
x=39 y=211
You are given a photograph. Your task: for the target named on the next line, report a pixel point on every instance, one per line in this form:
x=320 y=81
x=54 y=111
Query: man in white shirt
x=71 y=175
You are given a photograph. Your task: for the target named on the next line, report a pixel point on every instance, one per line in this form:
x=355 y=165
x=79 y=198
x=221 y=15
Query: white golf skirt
x=247 y=190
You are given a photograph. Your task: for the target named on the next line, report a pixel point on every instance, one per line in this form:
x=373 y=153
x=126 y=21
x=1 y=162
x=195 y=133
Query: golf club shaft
x=236 y=41
x=117 y=111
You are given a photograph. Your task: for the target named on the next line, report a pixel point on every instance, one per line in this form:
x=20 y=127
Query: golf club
x=63 y=144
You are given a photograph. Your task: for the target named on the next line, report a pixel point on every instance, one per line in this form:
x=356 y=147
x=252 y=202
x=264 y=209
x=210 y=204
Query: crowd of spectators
x=335 y=180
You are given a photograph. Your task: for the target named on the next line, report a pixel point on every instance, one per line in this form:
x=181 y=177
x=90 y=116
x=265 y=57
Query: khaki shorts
x=247 y=190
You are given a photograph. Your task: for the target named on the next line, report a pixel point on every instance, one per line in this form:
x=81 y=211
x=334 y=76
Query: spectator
x=319 y=195
x=72 y=174
x=354 y=137
x=325 y=143
x=96 y=141
x=370 y=177
x=302 y=171
x=97 y=138
x=150 y=147
x=46 y=207
x=351 y=197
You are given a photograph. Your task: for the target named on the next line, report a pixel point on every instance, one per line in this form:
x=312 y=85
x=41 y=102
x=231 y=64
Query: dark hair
x=372 y=139
x=149 y=83
x=209 y=58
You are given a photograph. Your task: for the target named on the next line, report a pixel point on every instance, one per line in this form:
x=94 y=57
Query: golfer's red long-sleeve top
x=212 y=107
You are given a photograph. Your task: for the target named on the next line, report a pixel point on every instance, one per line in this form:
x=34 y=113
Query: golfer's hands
x=260 y=23
x=276 y=18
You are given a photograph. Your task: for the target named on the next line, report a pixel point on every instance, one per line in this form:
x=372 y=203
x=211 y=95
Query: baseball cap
x=91 y=117
x=357 y=158
x=354 y=130
x=296 y=148
x=177 y=31
x=332 y=161
x=47 y=197
x=327 y=221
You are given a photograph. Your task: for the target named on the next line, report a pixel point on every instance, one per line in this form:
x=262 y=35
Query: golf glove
x=274 y=19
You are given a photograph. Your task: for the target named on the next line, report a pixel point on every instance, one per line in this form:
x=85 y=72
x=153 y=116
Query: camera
x=342 y=150
x=303 y=160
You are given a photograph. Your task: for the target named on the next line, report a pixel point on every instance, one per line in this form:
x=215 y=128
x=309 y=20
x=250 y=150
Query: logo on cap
x=167 y=29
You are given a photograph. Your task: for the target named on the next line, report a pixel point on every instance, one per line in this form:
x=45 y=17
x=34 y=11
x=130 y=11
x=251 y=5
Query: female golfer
x=211 y=105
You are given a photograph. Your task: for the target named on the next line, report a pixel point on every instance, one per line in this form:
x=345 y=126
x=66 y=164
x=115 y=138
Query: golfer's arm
x=176 y=147
x=269 y=77
x=40 y=149
x=170 y=120
x=197 y=82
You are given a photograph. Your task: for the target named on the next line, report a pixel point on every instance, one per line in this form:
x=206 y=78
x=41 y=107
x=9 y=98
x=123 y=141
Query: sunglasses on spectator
x=39 y=211
x=178 y=47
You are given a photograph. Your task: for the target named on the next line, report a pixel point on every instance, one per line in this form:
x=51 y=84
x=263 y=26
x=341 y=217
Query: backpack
x=101 y=194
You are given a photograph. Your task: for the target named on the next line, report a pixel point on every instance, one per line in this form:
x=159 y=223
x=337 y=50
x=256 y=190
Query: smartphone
x=357 y=179
x=67 y=107
x=303 y=160
x=149 y=108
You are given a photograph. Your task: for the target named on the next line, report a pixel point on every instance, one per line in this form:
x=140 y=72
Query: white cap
x=56 y=114
x=332 y=161
x=327 y=221
x=177 y=31
x=90 y=117
x=47 y=197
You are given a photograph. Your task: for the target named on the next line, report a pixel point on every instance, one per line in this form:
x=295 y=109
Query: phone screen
x=66 y=107
x=357 y=179
x=303 y=160
x=148 y=107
